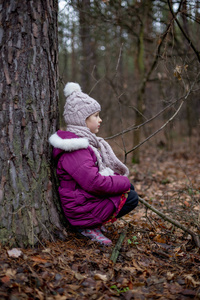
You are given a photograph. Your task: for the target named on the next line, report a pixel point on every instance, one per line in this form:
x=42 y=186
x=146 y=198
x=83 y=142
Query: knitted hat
x=78 y=105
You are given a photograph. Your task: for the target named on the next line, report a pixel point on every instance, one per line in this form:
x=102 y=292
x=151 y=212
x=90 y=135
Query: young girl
x=94 y=187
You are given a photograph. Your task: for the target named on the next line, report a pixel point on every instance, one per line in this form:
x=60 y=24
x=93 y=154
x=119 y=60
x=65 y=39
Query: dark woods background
x=137 y=58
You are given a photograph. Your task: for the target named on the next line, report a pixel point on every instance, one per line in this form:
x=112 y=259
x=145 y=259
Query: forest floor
x=156 y=261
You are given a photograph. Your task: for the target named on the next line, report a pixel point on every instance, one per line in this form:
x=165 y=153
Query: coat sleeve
x=81 y=167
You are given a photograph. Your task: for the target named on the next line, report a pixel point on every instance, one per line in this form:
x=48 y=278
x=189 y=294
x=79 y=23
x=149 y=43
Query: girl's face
x=93 y=122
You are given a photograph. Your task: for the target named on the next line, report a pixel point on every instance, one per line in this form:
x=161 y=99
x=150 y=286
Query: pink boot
x=97 y=236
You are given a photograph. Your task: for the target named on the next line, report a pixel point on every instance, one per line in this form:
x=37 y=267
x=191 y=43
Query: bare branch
x=183 y=32
x=154 y=133
x=166 y=123
x=133 y=127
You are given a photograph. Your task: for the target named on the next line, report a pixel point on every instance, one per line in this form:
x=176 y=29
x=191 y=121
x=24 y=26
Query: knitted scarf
x=107 y=161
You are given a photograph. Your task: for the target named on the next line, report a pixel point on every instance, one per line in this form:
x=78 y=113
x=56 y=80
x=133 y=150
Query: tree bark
x=140 y=97
x=86 y=53
x=28 y=115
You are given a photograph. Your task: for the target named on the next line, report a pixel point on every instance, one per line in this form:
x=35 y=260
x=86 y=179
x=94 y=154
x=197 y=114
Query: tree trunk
x=140 y=96
x=187 y=46
x=86 y=53
x=28 y=115
x=74 y=56
x=145 y=22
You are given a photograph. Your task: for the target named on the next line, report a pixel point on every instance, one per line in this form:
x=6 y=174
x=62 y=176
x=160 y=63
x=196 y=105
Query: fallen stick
x=172 y=221
x=115 y=252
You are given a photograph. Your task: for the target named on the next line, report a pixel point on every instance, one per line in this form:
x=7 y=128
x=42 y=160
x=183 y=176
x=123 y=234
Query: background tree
x=144 y=63
x=28 y=115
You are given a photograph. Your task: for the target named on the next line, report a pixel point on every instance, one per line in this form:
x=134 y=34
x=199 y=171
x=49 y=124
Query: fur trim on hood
x=71 y=144
x=68 y=144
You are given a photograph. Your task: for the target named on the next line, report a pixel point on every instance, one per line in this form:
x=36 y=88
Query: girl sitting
x=94 y=187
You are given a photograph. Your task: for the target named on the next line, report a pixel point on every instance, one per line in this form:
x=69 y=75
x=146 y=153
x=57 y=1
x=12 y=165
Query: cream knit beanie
x=78 y=106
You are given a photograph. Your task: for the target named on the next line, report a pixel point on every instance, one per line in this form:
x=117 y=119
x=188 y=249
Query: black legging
x=130 y=204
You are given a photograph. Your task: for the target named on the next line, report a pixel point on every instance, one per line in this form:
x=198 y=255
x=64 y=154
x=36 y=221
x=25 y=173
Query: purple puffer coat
x=87 y=197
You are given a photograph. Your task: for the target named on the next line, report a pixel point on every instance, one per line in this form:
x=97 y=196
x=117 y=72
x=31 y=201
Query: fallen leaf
x=47 y=250
x=151 y=234
x=190 y=280
x=11 y=273
x=72 y=287
x=160 y=239
x=14 y=252
x=130 y=285
x=136 y=265
x=38 y=259
x=5 y=279
x=177 y=249
x=186 y=203
x=98 y=276
x=59 y=297
x=130 y=254
x=130 y=269
x=79 y=276
x=40 y=295
x=170 y=276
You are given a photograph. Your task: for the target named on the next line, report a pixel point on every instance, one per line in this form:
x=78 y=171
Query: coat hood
x=65 y=141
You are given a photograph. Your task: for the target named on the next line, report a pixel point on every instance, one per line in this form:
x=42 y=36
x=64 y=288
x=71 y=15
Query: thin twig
x=119 y=57
x=97 y=81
